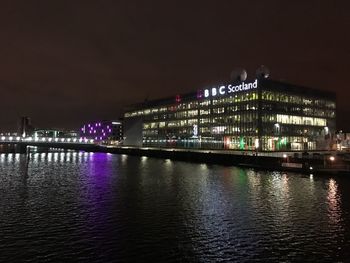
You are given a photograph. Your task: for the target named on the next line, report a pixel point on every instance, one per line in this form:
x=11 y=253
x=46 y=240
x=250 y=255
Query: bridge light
x=56 y=139
x=18 y=138
x=62 y=140
x=3 y=138
x=43 y=139
x=75 y=139
x=11 y=138
x=50 y=139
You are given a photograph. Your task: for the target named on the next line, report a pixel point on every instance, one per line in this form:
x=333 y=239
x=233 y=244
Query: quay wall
x=296 y=163
x=243 y=160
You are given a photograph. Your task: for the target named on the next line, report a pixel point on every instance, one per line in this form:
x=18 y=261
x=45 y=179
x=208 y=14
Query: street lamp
x=332 y=159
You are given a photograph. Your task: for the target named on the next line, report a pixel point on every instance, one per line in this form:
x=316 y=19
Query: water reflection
x=333 y=197
x=94 y=204
x=124 y=158
x=96 y=191
x=24 y=161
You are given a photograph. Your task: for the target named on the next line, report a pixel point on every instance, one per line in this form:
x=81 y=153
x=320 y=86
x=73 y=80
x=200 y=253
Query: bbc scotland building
x=256 y=115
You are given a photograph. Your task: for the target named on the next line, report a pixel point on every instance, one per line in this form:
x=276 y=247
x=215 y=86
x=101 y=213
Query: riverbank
x=293 y=162
x=308 y=163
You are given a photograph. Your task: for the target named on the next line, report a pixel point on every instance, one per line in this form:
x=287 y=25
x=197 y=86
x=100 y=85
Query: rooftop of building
x=267 y=84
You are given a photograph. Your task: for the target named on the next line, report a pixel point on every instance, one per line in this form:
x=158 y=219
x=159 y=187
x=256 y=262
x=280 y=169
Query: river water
x=96 y=207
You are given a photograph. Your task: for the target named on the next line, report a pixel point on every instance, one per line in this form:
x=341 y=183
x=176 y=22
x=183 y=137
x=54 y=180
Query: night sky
x=67 y=62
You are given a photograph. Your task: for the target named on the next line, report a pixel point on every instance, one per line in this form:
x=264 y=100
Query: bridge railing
x=14 y=139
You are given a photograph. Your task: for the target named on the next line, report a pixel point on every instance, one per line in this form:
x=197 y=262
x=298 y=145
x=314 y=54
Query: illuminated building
x=260 y=114
x=102 y=131
x=55 y=133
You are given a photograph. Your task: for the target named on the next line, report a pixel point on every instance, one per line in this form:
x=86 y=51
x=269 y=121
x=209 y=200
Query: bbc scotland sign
x=229 y=89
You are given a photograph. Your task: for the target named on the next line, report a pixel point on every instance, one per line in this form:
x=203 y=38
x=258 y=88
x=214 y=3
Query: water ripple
x=92 y=207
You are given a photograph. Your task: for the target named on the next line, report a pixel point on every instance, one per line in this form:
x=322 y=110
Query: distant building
x=25 y=127
x=102 y=130
x=343 y=140
x=55 y=133
x=260 y=114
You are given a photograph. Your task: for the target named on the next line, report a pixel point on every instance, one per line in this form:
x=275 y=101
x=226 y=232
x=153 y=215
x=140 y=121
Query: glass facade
x=271 y=116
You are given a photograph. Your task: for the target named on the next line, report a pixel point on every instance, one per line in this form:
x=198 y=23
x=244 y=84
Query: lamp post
x=332 y=159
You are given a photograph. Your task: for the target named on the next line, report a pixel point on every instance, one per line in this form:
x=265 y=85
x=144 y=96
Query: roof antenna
x=262 y=72
x=238 y=74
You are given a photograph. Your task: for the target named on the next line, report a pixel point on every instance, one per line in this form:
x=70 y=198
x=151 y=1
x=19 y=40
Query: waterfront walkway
x=326 y=162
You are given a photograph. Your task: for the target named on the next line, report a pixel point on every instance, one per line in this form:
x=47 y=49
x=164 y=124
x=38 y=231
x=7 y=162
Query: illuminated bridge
x=48 y=142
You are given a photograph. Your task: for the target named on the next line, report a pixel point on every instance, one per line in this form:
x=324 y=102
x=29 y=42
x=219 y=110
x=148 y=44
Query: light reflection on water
x=334 y=209
x=107 y=208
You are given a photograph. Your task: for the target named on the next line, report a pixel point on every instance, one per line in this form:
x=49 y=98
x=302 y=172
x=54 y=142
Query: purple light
x=99 y=130
x=199 y=94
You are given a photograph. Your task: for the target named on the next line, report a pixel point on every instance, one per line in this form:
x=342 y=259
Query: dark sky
x=66 y=62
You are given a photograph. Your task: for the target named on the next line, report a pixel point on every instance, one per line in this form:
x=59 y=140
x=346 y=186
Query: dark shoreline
x=301 y=164
x=242 y=160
